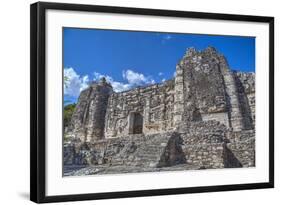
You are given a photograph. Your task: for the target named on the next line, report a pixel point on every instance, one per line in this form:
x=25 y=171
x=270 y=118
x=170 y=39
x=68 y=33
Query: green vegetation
x=68 y=111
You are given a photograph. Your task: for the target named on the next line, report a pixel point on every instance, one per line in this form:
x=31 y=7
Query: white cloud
x=132 y=79
x=117 y=86
x=74 y=83
x=135 y=78
x=160 y=73
x=163 y=80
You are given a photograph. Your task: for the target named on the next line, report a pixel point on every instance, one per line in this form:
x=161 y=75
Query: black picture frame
x=38 y=101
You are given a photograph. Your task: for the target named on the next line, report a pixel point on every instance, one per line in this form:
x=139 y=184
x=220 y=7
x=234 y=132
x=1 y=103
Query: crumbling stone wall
x=205 y=156
x=203 y=88
x=204 y=143
x=206 y=89
x=154 y=104
x=242 y=145
x=245 y=83
x=88 y=120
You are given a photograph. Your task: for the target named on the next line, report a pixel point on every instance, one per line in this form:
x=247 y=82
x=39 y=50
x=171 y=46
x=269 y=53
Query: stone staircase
x=142 y=151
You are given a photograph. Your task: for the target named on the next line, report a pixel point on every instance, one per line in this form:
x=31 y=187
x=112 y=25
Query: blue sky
x=129 y=59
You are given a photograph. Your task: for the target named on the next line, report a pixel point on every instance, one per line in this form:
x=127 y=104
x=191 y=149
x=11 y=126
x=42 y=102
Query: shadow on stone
x=229 y=159
x=173 y=154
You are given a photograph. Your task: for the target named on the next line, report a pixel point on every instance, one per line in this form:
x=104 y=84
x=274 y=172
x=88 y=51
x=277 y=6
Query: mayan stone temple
x=203 y=118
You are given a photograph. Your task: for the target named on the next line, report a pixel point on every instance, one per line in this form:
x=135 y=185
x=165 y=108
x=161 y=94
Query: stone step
x=148 y=158
x=151 y=151
x=147 y=154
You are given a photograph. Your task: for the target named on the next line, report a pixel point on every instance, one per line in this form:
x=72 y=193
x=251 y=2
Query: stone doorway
x=136 y=123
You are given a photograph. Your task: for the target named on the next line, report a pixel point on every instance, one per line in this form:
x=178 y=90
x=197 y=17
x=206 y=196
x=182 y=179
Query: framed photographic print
x=129 y=102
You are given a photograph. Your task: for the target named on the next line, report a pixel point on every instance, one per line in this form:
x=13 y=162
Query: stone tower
x=206 y=89
x=88 y=119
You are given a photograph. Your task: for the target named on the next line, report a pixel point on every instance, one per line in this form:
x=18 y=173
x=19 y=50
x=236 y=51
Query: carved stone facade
x=152 y=106
x=202 y=118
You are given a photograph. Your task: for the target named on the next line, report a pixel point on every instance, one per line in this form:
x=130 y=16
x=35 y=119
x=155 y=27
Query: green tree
x=67 y=114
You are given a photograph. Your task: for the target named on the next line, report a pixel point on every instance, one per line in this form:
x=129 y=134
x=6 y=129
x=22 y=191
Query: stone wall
x=204 y=88
x=242 y=145
x=154 y=104
x=88 y=119
x=203 y=144
x=211 y=145
x=246 y=89
x=205 y=156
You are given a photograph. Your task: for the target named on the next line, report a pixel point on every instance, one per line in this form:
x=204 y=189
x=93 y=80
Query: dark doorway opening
x=137 y=123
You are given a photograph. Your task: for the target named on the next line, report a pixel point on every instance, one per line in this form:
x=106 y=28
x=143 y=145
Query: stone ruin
x=203 y=118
